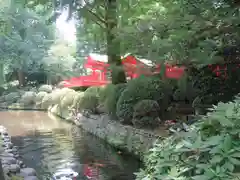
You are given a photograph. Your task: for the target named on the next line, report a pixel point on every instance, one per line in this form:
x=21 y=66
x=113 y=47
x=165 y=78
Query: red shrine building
x=99 y=75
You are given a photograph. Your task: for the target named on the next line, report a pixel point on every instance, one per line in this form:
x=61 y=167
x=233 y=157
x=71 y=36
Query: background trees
x=29 y=44
x=179 y=32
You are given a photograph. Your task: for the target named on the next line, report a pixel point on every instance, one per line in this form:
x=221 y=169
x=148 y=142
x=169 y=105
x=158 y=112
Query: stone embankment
x=12 y=165
x=127 y=138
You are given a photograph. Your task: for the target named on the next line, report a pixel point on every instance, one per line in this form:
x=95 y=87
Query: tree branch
x=101 y=20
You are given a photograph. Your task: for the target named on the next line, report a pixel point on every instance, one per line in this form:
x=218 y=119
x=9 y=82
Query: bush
x=47 y=101
x=94 y=90
x=77 y=101
x=67 y=99
x=209 y=150
x=89 y=102
x=146 y=114
x=28 y=98
x=113 y=93
x=45 y=88
x=39 y=97
x=12 y=97
x=105 y=92
x=140 y=89
x=59 y=94
x=186 y=91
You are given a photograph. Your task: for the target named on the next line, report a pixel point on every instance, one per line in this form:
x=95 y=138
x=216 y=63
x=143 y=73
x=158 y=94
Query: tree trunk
x=21 y=77
x=113 y=45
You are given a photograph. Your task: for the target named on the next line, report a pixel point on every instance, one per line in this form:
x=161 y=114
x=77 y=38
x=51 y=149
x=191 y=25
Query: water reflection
x=49 y=144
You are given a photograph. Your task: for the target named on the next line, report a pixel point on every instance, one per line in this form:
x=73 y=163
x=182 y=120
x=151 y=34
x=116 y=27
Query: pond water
x=48 y=144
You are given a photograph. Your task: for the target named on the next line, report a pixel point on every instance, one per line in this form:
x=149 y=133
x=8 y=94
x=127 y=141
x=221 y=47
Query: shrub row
x=139 y=102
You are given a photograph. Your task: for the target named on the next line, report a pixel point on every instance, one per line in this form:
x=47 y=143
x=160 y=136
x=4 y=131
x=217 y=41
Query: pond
x=48 y=144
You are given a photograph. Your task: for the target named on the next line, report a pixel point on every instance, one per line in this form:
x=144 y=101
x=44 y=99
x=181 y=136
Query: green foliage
x=113 y=93
x=209 y=150
x=67 y=99
x=140 y=89
x=146 y=114
x=59 y=59
x=29 y=44
x=216 y=88
x=186 y=92
x=94 y=90
x=180 y=31
x=173 y=31
x=24 y=45
x=77 y=100
x=105 y=93
x=89 y=102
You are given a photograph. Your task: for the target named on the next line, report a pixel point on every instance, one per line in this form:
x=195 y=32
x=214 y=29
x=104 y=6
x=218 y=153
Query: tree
x=59 y=60
x=181 y=32
x=104 y=14
x=24 y=40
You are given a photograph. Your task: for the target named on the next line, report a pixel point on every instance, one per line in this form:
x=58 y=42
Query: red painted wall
x=133 y=68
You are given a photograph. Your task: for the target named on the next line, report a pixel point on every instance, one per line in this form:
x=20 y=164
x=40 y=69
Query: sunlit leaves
x=24 y=44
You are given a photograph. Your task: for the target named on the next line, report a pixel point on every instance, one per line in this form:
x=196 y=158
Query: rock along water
x=12 y=164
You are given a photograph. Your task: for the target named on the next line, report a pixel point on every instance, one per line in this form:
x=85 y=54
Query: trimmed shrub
x=47 y=101
x=62 y=97
x=105 y=92
x=145 y=114
x=113 y=93
x=209 y=150
x=12 y=97
x=68 y=99
x=28 y=98
x=140 y=89
x=77 y=100
x=45 y=88
x=39 y=97
x=94 y=90
x=59 y=94
x=89 y=102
